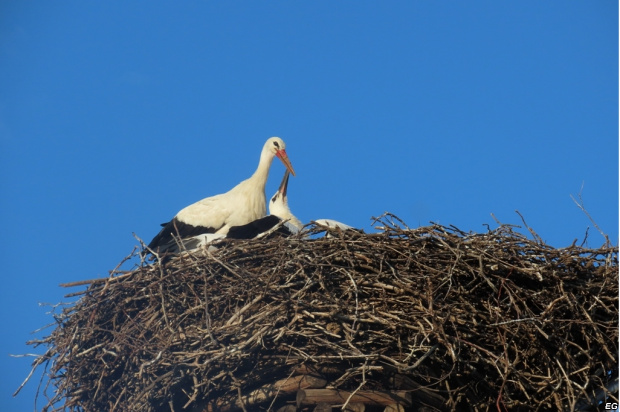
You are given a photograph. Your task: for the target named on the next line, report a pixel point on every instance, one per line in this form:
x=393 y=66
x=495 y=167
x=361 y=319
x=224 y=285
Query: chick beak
x=284 y=184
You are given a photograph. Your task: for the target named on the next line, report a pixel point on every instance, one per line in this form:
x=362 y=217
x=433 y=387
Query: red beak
x=284 y=158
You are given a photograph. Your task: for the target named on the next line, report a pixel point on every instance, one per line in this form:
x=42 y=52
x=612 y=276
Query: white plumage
x=333 y=224
x=242 y=204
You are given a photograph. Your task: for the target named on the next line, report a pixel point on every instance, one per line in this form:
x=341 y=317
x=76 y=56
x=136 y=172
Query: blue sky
x=115 y=115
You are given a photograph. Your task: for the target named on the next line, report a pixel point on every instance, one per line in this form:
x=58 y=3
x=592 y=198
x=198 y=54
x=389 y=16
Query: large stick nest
x=453 y=320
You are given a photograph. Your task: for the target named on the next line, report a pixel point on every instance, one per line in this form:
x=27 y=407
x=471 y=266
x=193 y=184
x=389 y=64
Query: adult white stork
x=242 y=204
x=278 y=212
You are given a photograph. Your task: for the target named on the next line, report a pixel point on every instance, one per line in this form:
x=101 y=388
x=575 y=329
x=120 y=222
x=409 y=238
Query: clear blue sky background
x=115 y=115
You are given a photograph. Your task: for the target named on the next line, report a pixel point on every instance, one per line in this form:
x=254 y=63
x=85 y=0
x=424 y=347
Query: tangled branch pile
x=402 y=320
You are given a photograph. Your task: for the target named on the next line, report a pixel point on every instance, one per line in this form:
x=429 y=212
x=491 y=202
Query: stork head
x=278 y=205
x=276 y=147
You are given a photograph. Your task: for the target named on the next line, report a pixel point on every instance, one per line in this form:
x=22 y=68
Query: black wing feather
x=255 y=228
x=177 y=228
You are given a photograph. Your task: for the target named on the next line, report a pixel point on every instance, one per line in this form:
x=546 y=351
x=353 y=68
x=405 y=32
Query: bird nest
x=400 y=320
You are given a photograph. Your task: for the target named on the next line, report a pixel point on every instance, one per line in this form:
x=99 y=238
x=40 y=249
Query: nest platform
x=425 y=319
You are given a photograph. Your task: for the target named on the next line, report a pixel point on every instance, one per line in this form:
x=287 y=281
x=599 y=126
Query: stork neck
x=262 y=171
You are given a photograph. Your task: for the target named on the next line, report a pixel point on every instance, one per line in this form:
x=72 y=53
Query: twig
x=361 y=385
x=581 y=206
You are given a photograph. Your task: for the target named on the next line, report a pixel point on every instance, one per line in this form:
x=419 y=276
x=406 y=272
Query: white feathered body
x=240 y=205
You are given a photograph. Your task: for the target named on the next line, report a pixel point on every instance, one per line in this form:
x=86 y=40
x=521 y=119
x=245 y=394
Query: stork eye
x=276 y=144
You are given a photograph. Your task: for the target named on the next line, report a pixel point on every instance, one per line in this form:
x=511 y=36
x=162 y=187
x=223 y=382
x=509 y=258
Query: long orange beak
x=284 y=158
